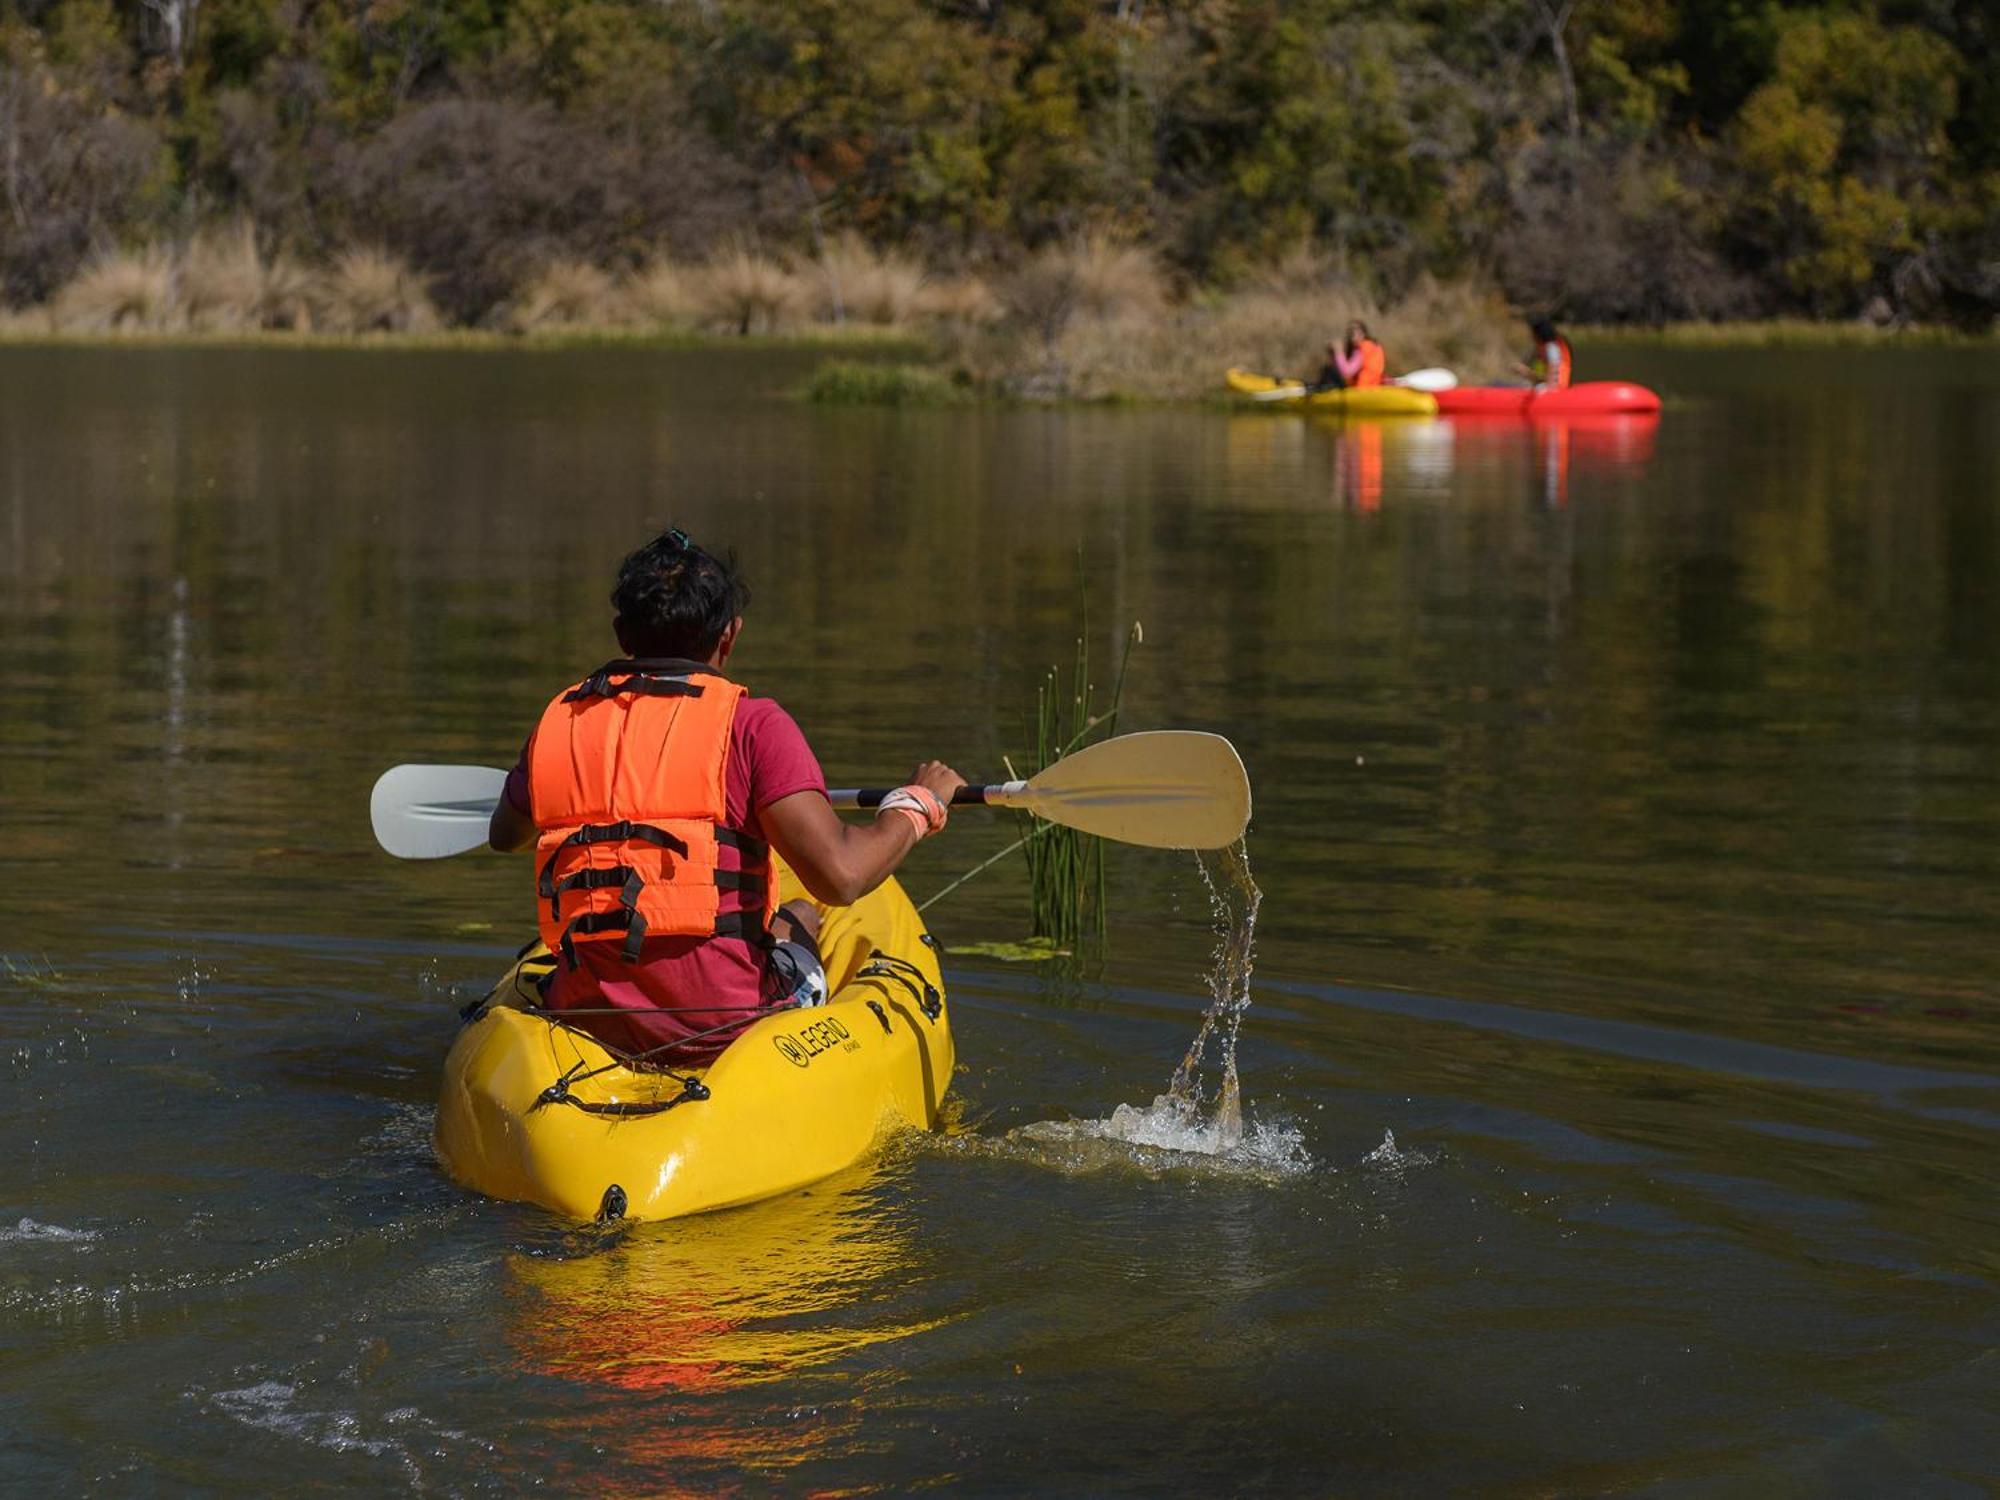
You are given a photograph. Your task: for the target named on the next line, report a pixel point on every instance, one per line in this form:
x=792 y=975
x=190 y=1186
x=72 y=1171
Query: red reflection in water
x=1559 y=448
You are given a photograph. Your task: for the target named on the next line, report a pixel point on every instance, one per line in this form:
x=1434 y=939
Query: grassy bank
x=1093 y=319
x=1785 y=333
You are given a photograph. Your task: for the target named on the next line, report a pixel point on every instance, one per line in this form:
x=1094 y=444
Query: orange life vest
x=1374 y=363
x=628 y=785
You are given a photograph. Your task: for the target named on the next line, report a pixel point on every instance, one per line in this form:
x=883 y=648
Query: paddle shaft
x=1000 y=794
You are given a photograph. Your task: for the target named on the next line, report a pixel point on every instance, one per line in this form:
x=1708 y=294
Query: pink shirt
x=685 y=985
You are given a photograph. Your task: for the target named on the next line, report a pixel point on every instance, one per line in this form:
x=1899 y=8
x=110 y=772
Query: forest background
x=1605 y=160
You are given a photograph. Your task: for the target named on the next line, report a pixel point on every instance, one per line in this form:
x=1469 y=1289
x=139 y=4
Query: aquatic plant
x=846 y=382
x=1066 y=868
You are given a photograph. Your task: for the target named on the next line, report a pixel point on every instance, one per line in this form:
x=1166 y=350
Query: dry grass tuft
x=373 y=291
x=569 y=294
x=964 y=302
x=859 y=284
x=118 y=291
x=663 y=295
x=1095 y=277
x=747 y=292
x=1126 y=344
x=25 y=323
x=289 y=296
x=222 y=282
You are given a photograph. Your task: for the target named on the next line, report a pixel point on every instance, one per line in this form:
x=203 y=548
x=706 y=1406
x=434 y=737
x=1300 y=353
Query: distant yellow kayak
x=536 y=1111
x=1374 y=401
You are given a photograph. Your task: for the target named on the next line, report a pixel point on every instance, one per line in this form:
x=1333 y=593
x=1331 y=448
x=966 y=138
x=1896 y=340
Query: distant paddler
x=1358 y=364
x=1548 y=364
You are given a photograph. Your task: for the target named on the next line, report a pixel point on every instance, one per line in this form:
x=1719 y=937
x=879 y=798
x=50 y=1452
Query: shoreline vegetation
x=1093 y=319
x=1060 y=199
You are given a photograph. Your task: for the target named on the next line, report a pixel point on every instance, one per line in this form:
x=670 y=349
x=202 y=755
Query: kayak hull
x=800 y=1095
x=1371 y=401
x=1591 y=398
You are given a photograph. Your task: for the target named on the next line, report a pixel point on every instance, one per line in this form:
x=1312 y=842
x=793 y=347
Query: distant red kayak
x=1590 y=398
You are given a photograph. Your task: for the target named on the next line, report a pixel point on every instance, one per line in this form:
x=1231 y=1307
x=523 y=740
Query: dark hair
x=1542 y=329
x=675 y=599
x=1357 y=323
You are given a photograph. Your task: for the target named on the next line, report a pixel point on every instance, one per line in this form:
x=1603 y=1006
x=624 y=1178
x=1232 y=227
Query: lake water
x=1628 y=818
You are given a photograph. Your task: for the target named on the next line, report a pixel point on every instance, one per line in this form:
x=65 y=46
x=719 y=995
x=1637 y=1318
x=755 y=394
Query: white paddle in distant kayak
x=1163 y=789
x=1433 y=378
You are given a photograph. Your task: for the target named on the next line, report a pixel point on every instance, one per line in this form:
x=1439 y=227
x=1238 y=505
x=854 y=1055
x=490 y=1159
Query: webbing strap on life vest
x=747 y=925
x=605 y=833
x=659 y=679
x=754 y=850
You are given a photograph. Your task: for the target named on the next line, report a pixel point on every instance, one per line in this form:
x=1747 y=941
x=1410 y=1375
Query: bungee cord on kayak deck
x=531 y=973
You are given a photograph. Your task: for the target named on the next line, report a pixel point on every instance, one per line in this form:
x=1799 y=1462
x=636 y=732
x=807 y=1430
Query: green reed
x=1065 y=868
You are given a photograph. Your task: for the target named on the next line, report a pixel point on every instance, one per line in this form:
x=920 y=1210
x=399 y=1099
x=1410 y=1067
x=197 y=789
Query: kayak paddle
x=1433 y=378
x=1164 y=789
x=428 y=812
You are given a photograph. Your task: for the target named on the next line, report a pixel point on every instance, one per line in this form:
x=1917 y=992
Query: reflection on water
x=1365 y=459
x=720 y=1301
x=1623 y=1033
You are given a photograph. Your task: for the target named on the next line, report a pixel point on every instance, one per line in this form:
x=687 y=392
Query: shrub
x=479 y=193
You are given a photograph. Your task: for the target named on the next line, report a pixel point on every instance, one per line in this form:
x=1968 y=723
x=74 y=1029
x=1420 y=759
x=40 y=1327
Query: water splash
x=29 y=1229
x=1233 y=899
x=1200 y=1118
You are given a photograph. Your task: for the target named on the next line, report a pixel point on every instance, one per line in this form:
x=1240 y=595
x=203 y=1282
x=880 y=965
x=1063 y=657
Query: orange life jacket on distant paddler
x=627 y=778
x=1374 y=364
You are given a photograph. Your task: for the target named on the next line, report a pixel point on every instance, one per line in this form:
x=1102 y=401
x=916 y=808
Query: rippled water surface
x=1621 y=1083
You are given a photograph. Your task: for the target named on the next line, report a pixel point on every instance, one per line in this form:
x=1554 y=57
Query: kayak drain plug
x=613 y=1206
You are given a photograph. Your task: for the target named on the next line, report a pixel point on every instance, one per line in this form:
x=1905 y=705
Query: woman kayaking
x=1358 y=364
x=654 y=791
x=1547 y=366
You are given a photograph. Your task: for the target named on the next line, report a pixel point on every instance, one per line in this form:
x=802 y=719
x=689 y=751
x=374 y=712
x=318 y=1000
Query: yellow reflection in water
x=720 y=1301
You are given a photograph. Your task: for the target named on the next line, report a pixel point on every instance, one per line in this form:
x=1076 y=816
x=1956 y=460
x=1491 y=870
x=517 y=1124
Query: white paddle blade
x=1279 y=393
x=1433 y=378
x=428 y=812
x=1164 y=788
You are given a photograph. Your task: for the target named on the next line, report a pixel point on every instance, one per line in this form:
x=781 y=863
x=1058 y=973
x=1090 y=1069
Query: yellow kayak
x=536 y=1111
x=1374 y=401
